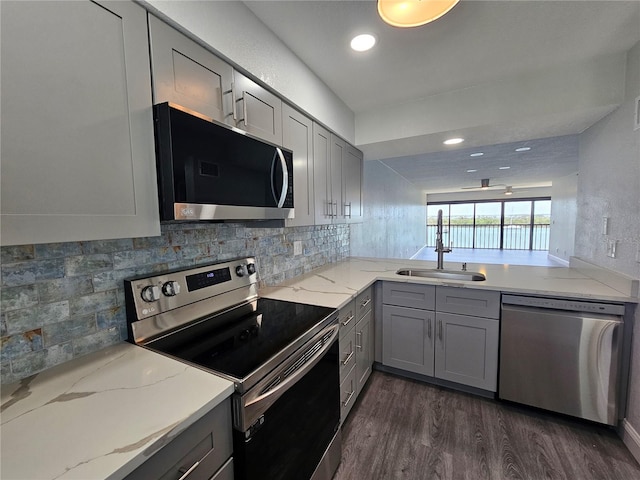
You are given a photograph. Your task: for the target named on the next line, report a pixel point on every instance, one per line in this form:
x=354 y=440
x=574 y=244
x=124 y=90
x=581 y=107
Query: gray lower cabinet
x=202 y=452
x=407 y=339
x=297 y=136
x=189 y=75
x=466 y=350
x=257 y=110
x=356 y=348
x=443 y=344
x=78 y=160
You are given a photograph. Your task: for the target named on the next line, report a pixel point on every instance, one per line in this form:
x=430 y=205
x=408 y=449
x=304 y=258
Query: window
x=507 y=224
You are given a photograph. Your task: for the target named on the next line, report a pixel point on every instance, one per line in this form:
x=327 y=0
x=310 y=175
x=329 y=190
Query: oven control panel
x=160 y=293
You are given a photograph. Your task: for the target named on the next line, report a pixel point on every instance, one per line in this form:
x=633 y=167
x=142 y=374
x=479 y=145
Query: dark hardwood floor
x=403 y=429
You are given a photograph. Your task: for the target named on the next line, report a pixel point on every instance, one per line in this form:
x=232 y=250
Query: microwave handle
x=285 y=178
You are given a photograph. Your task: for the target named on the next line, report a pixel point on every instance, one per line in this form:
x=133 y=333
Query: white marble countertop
x=335 y=285
x=102 y=415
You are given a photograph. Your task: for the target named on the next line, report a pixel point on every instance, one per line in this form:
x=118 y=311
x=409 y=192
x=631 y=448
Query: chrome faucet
x=440 y=248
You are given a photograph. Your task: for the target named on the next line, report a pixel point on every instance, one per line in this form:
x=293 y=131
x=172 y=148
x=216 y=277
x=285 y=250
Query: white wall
x=395 y=216
x=609 y=185
x=234 y=32
x=563 y=217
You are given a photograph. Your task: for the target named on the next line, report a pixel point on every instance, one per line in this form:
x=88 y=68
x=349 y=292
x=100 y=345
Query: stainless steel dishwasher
x=561 y=355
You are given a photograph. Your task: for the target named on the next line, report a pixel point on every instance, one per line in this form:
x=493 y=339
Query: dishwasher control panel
x=564 y=304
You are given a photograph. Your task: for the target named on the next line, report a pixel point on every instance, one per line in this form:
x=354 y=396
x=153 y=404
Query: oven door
x=284 y=425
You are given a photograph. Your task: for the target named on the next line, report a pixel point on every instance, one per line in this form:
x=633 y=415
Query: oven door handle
x=254 y=407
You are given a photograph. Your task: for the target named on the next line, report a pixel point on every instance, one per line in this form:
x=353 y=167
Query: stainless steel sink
x=447 y=274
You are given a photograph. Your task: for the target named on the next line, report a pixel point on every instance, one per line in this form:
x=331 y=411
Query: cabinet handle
x=336 y=205
x=347 y=204
x=440 y=329
x=365 y=303
x=346 y=402
x=348 y=320
x=185 y=474
x=244 y=110
x=346 y=360
x=233 y=104
x=429 y=329
x=358 y=340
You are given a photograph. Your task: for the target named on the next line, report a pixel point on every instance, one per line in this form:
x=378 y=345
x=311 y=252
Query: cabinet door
x=338 y=153
x=347 y=352
x=322 y=175
x=352 y=185
x=467 y=350
x=257 y=110
x=297 y=136
x=364 y=350
x=348 y=394
x=407 y=339
x=187 y=74
x=78 y=160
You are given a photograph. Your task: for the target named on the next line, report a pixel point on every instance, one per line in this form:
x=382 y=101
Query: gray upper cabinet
x=187 y=74
x=78 y=158
x=338 y=153
x=297 y=135
x=257 y=110
x=352 y=184
x=329 y=151
x=322 y=175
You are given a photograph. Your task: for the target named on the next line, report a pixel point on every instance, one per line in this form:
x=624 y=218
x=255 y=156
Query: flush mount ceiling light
x=508 y=190
x=362 y=43
x=504 y=168
x=453 y=141
x=477 y=154
x=523 y=149
x=413 y=13
x=471 y=171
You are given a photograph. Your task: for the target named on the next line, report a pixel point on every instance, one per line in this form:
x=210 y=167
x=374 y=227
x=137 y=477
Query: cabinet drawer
x=409 y=295
x=364 y=302
x=348 y=393
x=208 y=441
x=226 y=472
x=478 y=303
x=347 y=317
x=347 y=352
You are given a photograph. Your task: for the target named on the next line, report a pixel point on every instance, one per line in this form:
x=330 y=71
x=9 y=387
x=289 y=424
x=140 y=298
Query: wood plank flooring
x=403 y=429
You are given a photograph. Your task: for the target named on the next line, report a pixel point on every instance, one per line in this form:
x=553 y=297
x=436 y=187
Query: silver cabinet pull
x=359 y=340
x=348 y=320
x=186 y=474
x=429 y=328
x=347 y=204
x=346 y=402
x=440 y=329
x=336 y=206
x=233 y=104
x=349 y=357
x=365 y=303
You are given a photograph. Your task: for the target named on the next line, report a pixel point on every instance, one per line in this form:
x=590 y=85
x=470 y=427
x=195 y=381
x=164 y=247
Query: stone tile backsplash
x=60 y=301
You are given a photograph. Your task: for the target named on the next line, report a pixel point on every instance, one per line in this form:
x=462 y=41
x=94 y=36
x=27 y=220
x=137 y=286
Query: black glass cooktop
x=239 y=341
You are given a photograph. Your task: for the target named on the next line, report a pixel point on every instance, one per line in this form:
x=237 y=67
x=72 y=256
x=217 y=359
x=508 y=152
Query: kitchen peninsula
x=118 y=395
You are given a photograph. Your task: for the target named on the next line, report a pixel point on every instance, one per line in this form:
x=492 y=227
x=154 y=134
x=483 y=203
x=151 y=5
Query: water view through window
x=508 y=224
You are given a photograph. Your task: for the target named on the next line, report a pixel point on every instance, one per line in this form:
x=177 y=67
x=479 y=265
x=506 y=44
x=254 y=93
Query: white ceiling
x=478 y=43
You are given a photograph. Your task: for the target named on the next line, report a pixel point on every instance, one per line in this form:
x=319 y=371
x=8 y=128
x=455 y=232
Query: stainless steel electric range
x=282 y=357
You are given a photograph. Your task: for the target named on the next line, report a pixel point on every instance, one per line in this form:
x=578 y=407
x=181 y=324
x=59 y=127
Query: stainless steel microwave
x=211 y=171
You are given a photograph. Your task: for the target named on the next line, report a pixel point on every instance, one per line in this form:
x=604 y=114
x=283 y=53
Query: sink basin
x=446 y=274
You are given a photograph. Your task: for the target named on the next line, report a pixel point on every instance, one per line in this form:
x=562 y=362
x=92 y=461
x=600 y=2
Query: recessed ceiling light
x=453 y=141
x=471 y=171
x=477 y=154
x=504 y=168
x=523 y=149
x=362 y=43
